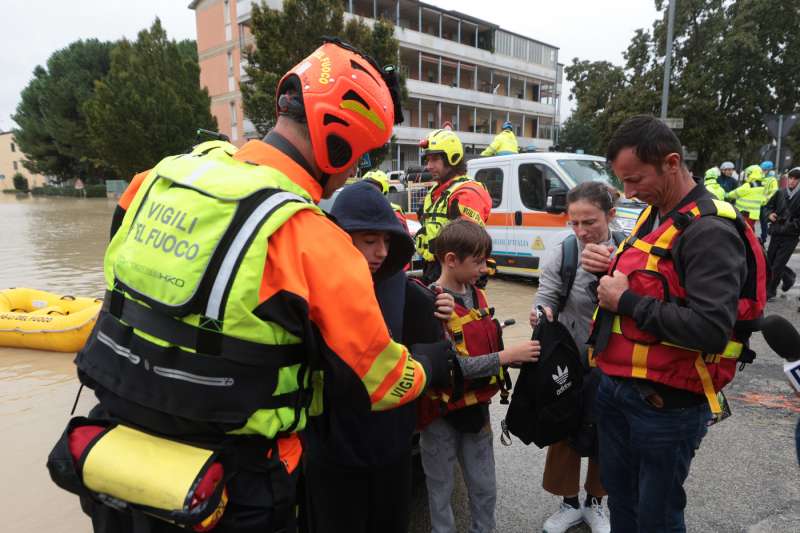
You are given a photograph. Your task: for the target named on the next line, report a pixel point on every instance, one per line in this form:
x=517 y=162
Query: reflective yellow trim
x=407 y=386
x=725 y=210
x=352 y=105
x=708 y=385
x=664 y=241
x=470 y=398
x=732 y=350
x=642 y=218
x=639 y=360
x=143 y=469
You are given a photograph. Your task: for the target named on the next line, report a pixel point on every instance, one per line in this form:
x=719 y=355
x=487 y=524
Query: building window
x=227 y=11
x=15 y=166
x=13 y=147
x=230 y=63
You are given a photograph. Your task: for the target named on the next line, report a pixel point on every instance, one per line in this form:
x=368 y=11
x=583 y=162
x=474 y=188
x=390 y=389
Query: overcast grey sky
x=31 y=30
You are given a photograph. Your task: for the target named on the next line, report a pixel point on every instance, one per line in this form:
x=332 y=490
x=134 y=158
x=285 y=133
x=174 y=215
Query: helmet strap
x=280 y=142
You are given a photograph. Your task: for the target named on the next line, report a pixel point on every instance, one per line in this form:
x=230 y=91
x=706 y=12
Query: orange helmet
x=350 y=104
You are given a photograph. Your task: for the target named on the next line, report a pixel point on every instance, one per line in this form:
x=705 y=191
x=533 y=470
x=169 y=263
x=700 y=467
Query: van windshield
x=582 y=170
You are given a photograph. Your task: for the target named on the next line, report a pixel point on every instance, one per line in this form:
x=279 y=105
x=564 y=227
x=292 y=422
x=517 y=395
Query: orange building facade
x=458 y=69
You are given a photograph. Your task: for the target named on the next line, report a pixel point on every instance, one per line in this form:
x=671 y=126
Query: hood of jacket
x=362 y=207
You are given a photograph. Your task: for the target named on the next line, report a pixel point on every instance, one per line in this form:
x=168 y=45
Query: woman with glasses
x=590 y=207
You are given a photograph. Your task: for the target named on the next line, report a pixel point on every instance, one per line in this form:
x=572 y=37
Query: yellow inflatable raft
x=41 y=320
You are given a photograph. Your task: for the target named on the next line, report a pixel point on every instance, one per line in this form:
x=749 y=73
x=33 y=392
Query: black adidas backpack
x=546 y=405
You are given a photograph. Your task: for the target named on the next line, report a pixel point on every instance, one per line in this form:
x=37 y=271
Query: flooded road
x=54 y=244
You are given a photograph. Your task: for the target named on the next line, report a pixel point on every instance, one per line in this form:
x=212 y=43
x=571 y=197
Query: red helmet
x=348 y=106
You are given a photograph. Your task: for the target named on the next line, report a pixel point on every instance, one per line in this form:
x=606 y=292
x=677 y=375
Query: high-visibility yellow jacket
x=505 y=143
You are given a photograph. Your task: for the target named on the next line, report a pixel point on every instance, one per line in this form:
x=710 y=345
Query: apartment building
x=458 y=68
x=11 y=159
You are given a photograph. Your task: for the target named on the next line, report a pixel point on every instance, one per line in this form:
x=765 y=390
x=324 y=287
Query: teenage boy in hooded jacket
x=358 y=464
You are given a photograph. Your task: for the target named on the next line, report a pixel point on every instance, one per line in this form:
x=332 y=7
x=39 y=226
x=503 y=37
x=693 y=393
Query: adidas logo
x=561 y=376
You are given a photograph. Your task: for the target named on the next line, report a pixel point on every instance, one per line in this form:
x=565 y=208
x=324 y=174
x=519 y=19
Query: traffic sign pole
x=778 y=151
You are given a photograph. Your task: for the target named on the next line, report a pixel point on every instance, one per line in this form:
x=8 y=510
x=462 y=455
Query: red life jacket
x=648 y=263
x=474 y=332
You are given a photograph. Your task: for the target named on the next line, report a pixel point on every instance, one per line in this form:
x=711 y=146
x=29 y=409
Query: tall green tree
x=284 y=37
x=732 y=63
x=52 y=130
x=150 y=104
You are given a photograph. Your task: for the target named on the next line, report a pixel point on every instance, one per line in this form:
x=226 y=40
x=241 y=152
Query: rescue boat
x=41 y=320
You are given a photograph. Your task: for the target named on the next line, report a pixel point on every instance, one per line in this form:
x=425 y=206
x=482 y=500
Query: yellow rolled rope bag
x=131 y=470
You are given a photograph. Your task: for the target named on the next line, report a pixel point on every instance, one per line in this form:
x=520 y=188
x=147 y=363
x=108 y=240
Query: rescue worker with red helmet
x=672 y=325
x=223 y=309
x=454 y=196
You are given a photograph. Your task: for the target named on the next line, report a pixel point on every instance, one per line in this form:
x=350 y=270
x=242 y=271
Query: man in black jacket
x=783 y=210
x=651 y=411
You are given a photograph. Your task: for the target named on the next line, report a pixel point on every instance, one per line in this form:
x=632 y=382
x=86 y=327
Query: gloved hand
x=437 y=358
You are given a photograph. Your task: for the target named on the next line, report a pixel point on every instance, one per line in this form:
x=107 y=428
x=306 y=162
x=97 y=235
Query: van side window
x=492 y=179
x=535 y=181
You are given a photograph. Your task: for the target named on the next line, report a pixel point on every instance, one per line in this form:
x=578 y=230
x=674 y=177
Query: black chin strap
x=280 y=142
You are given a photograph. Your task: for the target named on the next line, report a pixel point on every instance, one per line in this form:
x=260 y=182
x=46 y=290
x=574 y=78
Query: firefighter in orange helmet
x=251 y=316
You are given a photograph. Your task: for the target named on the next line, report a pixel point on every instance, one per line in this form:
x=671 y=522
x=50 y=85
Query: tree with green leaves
x=150 y=103
x=52 y=130
x=733 y=62
x=20 y=182
x=284 y=37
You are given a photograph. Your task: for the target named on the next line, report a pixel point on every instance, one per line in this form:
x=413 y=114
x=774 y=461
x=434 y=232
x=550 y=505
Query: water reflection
x=54 y=244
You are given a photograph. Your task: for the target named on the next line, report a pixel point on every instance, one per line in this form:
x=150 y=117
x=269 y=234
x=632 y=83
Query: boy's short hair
x=464 y=239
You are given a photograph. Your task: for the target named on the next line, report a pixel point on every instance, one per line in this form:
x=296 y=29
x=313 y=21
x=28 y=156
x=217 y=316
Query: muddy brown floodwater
x=57 y=244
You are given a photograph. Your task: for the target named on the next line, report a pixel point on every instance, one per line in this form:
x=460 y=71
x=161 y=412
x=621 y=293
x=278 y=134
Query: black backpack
x=546 y=406
x=569 y=264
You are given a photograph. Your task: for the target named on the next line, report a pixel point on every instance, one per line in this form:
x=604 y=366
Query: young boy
x=358 y=465
x=464 y=433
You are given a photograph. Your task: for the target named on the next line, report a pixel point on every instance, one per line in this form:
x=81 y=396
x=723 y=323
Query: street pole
x=778 y=150
x=668 y=60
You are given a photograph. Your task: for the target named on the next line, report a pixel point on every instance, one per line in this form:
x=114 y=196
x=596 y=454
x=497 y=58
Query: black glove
x=437 y=358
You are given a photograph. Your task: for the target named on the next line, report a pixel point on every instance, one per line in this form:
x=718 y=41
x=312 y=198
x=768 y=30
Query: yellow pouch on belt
x=130 y=470
x=143 y=469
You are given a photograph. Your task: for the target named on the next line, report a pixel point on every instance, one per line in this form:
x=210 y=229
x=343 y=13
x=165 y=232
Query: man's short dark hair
x=463 y=238
x=651 y=139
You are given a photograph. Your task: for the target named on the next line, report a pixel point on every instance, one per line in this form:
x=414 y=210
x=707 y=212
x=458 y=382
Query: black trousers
x=358 y=500
x=249 y=510
x=781 y=248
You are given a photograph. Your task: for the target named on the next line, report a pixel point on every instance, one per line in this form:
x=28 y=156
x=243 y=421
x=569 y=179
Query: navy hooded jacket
x=363 y=439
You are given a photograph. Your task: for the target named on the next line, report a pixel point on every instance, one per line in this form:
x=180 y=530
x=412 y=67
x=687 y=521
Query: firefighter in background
x=749 y=197
x=770 y=188
x=454 y=196
x=381 y=181
x=712 y=183
x=224 y=357
x=505 y=143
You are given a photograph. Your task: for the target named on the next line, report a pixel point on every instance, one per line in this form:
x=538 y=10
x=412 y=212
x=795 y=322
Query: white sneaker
x=563 y=519
x=595 y=516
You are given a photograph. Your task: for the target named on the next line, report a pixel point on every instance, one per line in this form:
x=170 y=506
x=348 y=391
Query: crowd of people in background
x=770 y=201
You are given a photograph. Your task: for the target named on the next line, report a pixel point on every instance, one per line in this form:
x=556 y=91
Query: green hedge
x=14 y=191
x=92 y=191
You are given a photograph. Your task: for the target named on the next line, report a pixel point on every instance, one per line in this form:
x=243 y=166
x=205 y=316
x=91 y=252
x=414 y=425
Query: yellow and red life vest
x=649 y=265
x=474 y=332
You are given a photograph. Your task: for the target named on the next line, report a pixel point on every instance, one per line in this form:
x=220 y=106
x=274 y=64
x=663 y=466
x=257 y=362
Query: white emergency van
x=528 y=191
